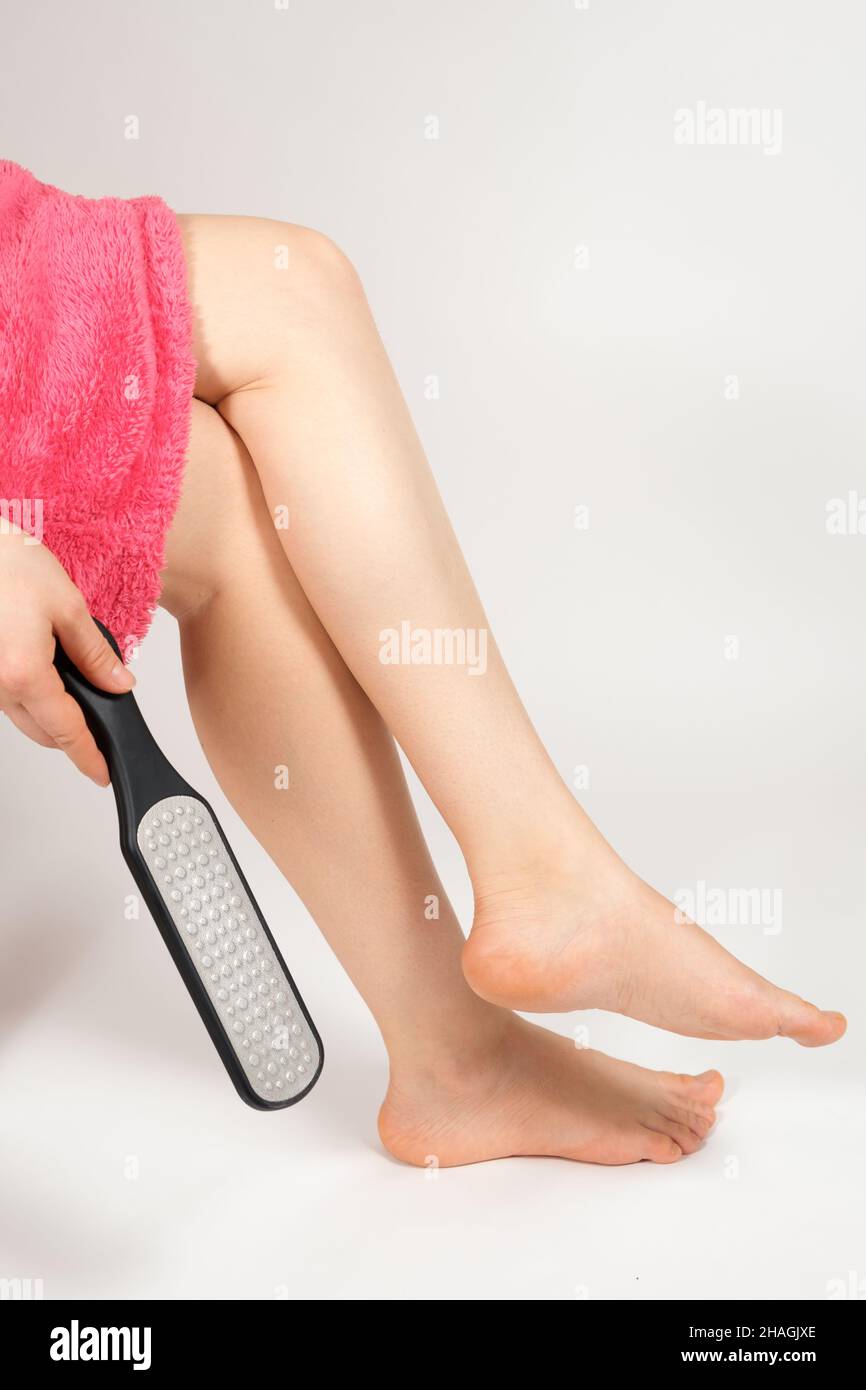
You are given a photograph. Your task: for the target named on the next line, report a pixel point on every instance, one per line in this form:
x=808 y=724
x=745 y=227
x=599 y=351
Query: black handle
x=140 y=772
x=142 y=776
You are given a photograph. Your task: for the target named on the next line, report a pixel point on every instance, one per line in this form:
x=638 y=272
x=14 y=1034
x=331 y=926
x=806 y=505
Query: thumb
x=85 y=645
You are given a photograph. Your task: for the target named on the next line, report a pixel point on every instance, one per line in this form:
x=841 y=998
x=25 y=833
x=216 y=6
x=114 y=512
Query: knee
x=216 y=531
x=310 y=266
x=303 y=295
x=261 y=289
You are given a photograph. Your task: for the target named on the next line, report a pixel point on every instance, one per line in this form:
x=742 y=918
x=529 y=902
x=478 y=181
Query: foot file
x=201 y=902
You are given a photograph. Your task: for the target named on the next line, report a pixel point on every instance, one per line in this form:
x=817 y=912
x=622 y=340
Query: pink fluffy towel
x=96 y=381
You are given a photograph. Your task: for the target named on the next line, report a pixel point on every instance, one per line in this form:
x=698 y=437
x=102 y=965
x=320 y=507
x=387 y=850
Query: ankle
x=553 y=844
x=456 y=1054
x=555 y=852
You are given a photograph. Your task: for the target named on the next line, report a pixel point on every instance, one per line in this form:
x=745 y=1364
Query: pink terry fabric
x=96 y=382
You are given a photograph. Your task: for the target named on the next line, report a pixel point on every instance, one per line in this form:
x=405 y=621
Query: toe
x=707 y=1087
x=701 y=1124
x=682 y=1134
x=703 y=1090
x=660 y=1148
x=808 y=1025
x=690 y=1101
x=698 y=1119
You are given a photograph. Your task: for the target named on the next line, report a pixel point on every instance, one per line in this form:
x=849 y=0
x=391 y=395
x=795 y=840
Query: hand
x=39 y=601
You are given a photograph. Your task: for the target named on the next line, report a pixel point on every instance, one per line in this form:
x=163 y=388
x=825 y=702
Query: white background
x=129 y=1167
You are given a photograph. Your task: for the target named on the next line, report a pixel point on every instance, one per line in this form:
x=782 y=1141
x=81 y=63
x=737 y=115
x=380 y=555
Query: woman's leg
x=468 y=1080
x=289 y=353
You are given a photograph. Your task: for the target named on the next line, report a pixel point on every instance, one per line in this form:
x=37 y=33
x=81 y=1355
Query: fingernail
x=122 y=677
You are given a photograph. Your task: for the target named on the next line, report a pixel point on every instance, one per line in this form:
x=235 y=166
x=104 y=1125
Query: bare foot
x=594 y=936
x=538 y=1094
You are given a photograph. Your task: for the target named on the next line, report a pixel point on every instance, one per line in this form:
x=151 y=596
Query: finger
x=17 y=715
x=85 y=645
x=61 y=718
